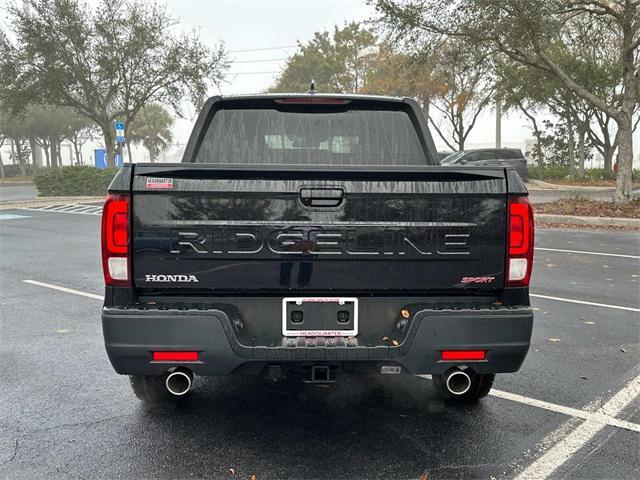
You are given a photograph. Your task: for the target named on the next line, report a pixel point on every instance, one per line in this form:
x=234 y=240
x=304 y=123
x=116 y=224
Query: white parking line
x=583 y=252
x=582 y=302
x=86 y=208
x=75 y=208
x=67 y=207
x=65 y=289
x=599 y=417
x=557 y=455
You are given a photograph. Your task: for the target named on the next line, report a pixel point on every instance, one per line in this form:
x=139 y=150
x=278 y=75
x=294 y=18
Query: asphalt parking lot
x=572 y=411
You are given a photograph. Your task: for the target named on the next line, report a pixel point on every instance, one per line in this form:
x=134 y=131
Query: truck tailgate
x=279 y=229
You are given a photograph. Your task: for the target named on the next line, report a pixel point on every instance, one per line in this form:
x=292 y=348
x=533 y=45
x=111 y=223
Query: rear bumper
x=132 y=335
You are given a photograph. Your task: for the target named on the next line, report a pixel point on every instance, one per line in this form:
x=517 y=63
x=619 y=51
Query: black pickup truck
x=312 y=235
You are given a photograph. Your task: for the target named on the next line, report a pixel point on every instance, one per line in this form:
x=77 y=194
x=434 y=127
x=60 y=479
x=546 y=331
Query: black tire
x=151 y=390
x=480 y=386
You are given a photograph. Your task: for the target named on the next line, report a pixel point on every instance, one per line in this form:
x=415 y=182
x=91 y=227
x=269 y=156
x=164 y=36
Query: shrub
x=599 y=174
x=548 y=172
x=69 y=181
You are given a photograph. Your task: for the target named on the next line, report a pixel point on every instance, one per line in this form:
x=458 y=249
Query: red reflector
x=175 y=356
x=463 y=354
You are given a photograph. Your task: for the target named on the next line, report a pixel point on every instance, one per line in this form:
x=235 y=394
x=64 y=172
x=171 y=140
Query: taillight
x=115 y=240
x=520 y=242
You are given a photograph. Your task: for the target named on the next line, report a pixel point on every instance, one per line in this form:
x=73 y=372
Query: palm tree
x=151 y=128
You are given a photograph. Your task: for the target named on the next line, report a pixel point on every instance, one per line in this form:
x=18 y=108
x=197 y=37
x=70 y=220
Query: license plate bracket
x=319 y=316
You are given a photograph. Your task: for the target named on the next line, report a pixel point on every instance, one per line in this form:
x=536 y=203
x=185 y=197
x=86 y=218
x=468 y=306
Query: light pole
x=498 y=124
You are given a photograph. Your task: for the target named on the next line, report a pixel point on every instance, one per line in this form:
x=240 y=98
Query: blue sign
x=100 y=155
x=120 y=132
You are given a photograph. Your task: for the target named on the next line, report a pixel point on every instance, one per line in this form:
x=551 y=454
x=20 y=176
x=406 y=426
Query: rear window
x=348 y=137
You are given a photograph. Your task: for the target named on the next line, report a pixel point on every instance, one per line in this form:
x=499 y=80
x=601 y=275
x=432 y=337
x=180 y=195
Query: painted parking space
x=73 y=208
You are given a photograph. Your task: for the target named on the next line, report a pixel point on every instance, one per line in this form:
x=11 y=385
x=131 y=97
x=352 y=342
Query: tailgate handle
x=321 y=197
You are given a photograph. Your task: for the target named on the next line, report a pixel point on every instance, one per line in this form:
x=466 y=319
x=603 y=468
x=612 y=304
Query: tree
x=15 y=129
x=465 y=87
x=3 y=138
x=106 y=62
x=152 y=128
x=396 y=73
x=79 y=130
x=400 y=74
x=541 y=34
x=450 y=79
x=554 y=140
x=532 y=90
x=336 y=62
x=603 y=138
x=48 y=125
x=529 y=91
x=604 y=141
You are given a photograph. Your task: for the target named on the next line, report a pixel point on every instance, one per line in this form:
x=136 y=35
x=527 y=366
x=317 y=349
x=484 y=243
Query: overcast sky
x=261 y=34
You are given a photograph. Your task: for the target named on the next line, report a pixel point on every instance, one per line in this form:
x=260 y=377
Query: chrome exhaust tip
x=458 y=382
x=179 y=382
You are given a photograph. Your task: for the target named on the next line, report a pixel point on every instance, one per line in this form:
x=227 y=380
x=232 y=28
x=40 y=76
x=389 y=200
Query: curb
x=540 y=185
x=46 y=201
x=533 y=185
x=545 y=218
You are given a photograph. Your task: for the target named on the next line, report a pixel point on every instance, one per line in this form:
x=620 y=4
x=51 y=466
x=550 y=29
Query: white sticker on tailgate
x=153 y=182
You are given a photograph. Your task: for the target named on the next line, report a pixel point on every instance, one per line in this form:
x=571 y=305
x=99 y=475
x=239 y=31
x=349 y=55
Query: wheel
x=151 y=390
x=480 y=387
